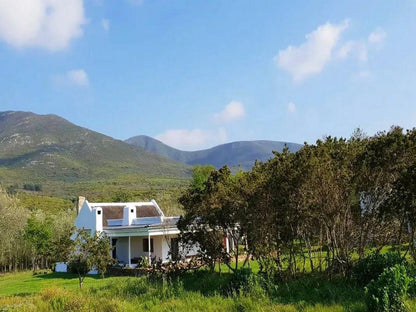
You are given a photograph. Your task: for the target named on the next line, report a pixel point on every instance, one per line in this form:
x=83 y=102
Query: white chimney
x=98 y=219
x=81 y=200
x=129 y=213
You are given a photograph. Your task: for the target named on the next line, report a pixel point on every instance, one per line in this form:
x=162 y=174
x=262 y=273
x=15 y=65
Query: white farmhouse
x=136 y=230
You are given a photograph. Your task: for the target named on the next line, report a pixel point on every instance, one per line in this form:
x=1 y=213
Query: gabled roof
x=115 y=210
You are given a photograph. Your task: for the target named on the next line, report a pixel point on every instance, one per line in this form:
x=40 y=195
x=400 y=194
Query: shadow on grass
x=308 y=289
x=22 y=295
x=205 y=282
x=60 y=275
x=318 y=290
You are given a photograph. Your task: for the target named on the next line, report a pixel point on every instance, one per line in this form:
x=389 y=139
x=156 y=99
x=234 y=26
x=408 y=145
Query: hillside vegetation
x=51 y=147
x=62 y=159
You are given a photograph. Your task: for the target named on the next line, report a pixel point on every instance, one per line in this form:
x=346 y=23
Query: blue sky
x=199 y=73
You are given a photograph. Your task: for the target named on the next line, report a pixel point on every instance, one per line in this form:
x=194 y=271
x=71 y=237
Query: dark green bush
x=387 y=293
x=243 y=281
x=372 y=266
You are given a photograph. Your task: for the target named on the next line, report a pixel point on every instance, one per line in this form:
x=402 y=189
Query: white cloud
x=48 y=24
x=355 y=48
x=78 y=77
x=291 y=108
x=310 y=57
x=377 y=36
x=105 y=23
x=234 y=110
x=358 y=48
x=74 y=77
x=192 y=139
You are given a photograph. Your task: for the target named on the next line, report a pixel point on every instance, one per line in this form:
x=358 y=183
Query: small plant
x=372 y=266
x=388 y=292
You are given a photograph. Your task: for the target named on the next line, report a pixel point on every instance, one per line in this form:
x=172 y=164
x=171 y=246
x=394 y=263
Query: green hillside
x=66 y=159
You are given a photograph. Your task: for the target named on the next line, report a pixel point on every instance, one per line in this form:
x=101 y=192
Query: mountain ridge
x=49 y=146
x=234 y=154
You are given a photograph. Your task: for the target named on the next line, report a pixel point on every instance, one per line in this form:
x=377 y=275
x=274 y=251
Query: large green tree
x=90 y=251
x=212 y=212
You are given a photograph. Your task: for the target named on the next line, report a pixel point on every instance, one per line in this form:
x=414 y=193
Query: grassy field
x=200 y=291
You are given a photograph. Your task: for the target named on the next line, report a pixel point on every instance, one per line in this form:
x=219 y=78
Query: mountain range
x=240 y=154
x=50 y=149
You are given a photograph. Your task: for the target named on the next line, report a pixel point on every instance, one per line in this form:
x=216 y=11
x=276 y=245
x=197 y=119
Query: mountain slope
x=242 y=153
x=50 y=147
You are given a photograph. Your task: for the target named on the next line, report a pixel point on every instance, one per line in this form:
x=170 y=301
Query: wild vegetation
x=319 y=210
x=327 y=204
x=305 y=226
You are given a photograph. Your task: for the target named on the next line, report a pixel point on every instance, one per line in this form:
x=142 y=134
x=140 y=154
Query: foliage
x=91 y=251
x=32 y=187
x=244 y=281
x=212 y=214
x=38 y=234
x=370 y=267
x=388 y=292
x=323 y=205
x=12 y=224
x=200 y=175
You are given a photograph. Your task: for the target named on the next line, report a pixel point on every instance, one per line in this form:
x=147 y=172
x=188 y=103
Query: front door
x=114 y=251
x=174 y=249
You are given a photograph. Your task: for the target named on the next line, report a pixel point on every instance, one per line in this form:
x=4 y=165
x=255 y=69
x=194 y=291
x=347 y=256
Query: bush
x=244 y=281
x=371 y=267
x=388 y=292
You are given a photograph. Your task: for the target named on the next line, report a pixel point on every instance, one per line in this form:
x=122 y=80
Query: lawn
x=198 y=291
x=24 y=283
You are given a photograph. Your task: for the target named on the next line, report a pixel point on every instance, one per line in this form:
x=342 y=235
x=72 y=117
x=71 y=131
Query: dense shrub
x=127 y=288
x=372 y=266
x=244 y=281
x=387 y=293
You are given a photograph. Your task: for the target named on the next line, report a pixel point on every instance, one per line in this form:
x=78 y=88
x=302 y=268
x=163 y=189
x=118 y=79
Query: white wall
x=90 y=219
x=165 y=248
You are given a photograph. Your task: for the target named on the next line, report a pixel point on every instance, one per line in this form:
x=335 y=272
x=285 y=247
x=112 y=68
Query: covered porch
x=132 y=246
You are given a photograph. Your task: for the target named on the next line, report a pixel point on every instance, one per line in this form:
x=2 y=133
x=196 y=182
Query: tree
x=90 y=252
x=403 y=198
x=62 y=230
x=213 y=212
x=39 y=235
x=12 y=224
x=200 y=175
x=378 y=166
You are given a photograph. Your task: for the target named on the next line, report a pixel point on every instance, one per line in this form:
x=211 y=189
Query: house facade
x=137 y=230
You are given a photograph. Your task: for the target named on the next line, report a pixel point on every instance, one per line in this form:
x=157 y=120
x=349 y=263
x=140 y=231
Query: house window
x=146 y=245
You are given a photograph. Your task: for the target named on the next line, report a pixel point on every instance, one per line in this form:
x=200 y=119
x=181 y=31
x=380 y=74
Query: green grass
x=200 y=291
x=23 y=283
x=192 y=292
